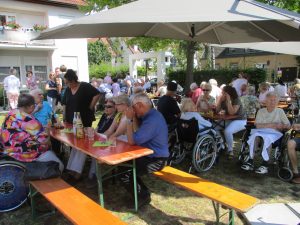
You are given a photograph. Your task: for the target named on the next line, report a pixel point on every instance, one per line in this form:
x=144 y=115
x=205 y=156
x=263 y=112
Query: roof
x=66 y=3
x=70 y=2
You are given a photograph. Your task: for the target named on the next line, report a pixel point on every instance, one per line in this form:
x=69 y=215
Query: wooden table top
x=218 y=116
x=111 y=155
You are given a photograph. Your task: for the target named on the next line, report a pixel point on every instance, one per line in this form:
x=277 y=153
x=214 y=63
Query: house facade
x=275 y=64
x=22 y=21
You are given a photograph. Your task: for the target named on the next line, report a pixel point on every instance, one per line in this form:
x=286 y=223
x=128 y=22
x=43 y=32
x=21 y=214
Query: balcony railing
x=23 y=37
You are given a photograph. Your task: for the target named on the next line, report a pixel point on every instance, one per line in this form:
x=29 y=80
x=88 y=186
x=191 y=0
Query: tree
x=292 y=5
x=150 y=43
x=98 y=53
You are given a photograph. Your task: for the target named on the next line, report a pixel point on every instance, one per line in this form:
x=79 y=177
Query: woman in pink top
x=196 y=92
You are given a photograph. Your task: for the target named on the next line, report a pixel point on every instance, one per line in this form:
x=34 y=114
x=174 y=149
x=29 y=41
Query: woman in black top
x=108 y=116
x=79 y=97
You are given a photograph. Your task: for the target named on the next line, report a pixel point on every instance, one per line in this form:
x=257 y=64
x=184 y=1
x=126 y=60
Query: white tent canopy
x=289 y=48
x=210 y=21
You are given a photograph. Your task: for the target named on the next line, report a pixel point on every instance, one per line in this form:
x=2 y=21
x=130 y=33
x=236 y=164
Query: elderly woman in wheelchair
x=270 y=124
x=194 y=135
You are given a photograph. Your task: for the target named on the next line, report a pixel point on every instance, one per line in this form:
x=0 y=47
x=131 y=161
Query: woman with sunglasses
x=108 y=116
x=206 y=102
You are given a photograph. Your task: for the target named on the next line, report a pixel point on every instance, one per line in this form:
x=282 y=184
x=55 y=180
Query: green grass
x=171 y=205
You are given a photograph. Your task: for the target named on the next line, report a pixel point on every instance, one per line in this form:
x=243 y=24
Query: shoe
x=296 y=180
x=91 y=183
x=230 y=155
x=262 y=170
x=248 y=166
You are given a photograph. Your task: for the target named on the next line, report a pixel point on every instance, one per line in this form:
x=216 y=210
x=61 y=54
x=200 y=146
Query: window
x=234 y=66
x=40 y=73
x=6 y=18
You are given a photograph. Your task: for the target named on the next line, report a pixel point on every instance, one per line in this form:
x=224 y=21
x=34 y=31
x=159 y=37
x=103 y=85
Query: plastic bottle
x=79 y=127
x=74 y=123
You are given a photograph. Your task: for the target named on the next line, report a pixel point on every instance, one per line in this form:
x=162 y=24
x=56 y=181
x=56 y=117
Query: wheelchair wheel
x=177 y=153
x=204 y=153
x=13 y=188
x=244 y=152
x=285 y=174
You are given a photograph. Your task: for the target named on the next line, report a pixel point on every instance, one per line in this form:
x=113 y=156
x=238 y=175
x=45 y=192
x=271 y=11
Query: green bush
x=223 y=76
x=100 y=71
x=1 y=96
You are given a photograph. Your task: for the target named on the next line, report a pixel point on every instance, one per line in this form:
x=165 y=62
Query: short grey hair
x=251 y=90
x=13 y=71
x=121 y=99
x=141 y=97
x=193 y=86
x=36 y=92
x=271 y=94
x=213 y=82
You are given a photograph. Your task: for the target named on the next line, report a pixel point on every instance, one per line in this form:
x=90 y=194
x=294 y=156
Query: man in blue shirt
x=146 y=127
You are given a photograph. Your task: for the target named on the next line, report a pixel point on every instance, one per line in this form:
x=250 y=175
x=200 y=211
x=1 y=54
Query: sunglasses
x=108 y=106
x=206 y=90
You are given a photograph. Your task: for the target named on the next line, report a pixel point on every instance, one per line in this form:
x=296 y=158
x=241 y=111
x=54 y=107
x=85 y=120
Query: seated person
x=264 y=88
x=189 y=111
x=195 y=92
x=43 y=111
x=107 y=117
x=118 y=126
x=24 y=137
x=105 y=122
x=206 y=102
x=250 y=102
x=168 y=106
x=152 y=133
x=292 y=146
x=270 y=122
x=231 y=103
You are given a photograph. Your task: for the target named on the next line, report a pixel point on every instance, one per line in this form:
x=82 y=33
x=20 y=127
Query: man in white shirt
x=12 y=88
x=215 y=91
x=240 y=84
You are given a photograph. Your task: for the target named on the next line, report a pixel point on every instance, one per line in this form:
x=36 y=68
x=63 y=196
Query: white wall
x=28 y=14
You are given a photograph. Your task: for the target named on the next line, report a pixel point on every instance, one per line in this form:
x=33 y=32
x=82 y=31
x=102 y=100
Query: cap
x=172 y=86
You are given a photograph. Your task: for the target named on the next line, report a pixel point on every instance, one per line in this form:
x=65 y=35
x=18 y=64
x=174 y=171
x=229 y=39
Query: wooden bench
x=74 y=205
x=220 y=195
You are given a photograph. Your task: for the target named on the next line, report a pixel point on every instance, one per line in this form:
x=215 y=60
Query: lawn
x=171 y=205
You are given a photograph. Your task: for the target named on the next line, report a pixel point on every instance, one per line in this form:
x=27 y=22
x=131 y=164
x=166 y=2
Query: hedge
x=223 y=76
x=100 y=71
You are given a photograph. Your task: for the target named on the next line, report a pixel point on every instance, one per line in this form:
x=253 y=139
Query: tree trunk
x=190 y=51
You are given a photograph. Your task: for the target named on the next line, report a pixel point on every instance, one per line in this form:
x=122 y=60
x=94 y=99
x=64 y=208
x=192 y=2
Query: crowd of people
x=129 y=114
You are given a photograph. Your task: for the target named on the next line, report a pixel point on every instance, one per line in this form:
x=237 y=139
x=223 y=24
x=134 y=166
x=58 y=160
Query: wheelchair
x=278 y=154
x=14 y=190
x=203 y=145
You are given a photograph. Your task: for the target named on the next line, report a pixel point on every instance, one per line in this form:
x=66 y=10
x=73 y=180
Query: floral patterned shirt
x=23 y=136
x=250 y=105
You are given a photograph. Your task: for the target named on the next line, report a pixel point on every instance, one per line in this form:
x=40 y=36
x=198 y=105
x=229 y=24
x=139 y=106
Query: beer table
x=120 y=154
x=219 y=119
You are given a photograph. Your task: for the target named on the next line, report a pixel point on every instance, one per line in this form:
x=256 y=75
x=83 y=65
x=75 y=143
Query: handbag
x=41 y=170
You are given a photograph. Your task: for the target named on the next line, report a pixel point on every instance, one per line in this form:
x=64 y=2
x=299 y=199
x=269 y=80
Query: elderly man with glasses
x=146 y=127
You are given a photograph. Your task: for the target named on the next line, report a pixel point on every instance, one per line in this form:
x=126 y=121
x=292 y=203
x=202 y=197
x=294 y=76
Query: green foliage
x=98 y=53
x=100 y=71
x=292 y=5
x=1 y=96
x=150 y=43
x=223 y=76
x=98 y=5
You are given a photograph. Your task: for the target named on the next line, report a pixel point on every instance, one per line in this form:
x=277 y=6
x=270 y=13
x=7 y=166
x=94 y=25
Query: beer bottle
x=79 y=127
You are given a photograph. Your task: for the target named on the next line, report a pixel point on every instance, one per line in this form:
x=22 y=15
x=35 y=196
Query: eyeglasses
x=108 y=106
x=206 y=90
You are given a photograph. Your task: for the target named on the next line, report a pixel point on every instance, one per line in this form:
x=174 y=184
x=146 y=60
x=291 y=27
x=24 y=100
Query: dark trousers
x=144 y=165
